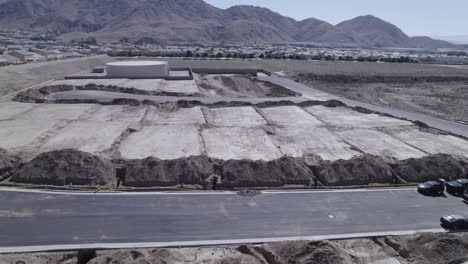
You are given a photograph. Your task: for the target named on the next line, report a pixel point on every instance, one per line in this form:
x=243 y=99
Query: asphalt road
x=446 y=125
x=47 y=219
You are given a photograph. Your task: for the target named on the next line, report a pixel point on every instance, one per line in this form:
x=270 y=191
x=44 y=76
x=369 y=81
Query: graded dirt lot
x=322 y=140
x=260 y=139
x=445 y=97
x=17 y=77
x=417 y=249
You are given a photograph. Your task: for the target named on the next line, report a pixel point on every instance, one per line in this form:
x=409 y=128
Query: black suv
x=457 y=186
x=454 y=222
x=431 y=188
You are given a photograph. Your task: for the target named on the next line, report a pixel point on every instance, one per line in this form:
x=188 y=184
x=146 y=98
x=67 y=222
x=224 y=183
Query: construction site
x=246 y=127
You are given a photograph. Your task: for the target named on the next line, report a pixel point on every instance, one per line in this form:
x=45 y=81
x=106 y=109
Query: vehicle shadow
x=443 y=195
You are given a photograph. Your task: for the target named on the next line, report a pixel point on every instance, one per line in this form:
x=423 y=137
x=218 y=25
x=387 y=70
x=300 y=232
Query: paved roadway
x=38 y=220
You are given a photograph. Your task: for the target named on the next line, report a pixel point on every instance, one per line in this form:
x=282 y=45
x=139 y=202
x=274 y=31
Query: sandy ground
x=17 y=77
x=238 y=86
x=416 y=249
x=445 y=99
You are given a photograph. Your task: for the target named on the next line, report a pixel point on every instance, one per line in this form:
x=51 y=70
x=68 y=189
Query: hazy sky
x=415 y=17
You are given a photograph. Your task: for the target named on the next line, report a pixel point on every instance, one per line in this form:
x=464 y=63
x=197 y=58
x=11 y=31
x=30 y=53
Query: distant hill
x=166 y=21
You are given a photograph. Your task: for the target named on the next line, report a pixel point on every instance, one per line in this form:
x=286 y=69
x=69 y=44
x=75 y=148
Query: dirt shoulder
x=424 y=248
x=440 y=96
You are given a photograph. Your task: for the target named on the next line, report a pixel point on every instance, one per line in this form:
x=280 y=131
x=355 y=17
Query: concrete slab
x=380 y=144
x=9 y=110
x=299 y=140
x=88 y=136
x=239 y=143
x=345 y=117
x=434 y=144
x=185 y=86
x=56 y=112
x=289 y=116
x=119 y=113
x=179 y=117
x=18 y=133
x=234 y=116
x=164 y=142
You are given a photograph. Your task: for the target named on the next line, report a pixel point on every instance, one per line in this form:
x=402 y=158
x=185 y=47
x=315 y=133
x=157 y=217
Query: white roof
x=137 y=63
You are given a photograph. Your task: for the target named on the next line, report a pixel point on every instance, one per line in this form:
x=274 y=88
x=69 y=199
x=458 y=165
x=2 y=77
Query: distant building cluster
x=19 y=47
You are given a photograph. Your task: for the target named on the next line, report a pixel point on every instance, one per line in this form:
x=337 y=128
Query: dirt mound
x=431 y=248
x=362 y=170
x=248 y=173
x=30 y=96
x=151 y=172
x=9 y=164
x=319 y=252
x=431 y=168
x=65 y=167
x=248 y=193
x=240 y=86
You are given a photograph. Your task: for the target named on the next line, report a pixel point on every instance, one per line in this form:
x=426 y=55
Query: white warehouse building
x=137 y=69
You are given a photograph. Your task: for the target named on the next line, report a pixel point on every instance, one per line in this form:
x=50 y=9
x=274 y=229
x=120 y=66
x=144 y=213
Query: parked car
x=431 y=188
x=457 y=186
x=454 y=222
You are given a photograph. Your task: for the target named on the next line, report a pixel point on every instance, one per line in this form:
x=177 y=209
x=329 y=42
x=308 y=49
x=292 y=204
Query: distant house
x=7 y=60
x=26 y=56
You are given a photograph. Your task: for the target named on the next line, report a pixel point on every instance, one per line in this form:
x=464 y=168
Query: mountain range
x=172 y=21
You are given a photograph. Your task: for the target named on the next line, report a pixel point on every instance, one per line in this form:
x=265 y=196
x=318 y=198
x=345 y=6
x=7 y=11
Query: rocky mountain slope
x=193 y=20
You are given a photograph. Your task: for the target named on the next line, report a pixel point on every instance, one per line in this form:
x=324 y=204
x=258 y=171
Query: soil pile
x=240 y=86
x=431 y=248
x=319 y=252
x=418 y=249
x=9 y=164
x=66 y=167
x=30 y=96
x=362 y=170
x=248 y=173
x=431 y=168
x=155 y=172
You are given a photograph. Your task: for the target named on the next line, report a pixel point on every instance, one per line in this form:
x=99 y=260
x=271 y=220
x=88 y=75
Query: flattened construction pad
x=433 y=144
x=118 y=113
x=56 y=112
x=299 y=140
x=289 y=116
x=18 y=133
x=380 y=144
x=234 y=116
x=344 y=117
x=88 y=136
x=179 y=117
x=163 y=141
x=239 y=143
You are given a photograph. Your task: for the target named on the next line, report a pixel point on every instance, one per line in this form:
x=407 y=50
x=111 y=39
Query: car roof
x=456 y=217
x=462 y=181
x=433 y=182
